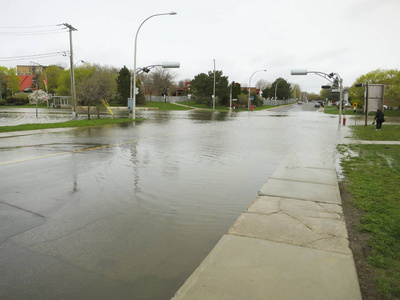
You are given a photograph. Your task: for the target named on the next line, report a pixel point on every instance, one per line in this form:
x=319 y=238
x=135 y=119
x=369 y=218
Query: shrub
x=11 y=100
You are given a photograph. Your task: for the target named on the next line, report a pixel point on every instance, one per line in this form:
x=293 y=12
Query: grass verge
x=373 y=175
x=389 y=132
x=165 y=106
x=76 y=123
x=333 y=110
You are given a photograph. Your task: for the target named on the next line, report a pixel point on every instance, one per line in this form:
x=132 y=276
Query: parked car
x=317 y=105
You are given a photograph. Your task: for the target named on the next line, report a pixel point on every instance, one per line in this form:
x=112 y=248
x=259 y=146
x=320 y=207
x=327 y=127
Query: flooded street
x=129 y=211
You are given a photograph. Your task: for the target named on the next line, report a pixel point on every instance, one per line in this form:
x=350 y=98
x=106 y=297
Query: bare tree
x=162 y=79
x=99 y=84
x=262 y=84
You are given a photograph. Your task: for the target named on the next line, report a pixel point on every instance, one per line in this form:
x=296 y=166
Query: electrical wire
x=25 y=57
x=10 y=30
x=53 y=31
x=37 y=26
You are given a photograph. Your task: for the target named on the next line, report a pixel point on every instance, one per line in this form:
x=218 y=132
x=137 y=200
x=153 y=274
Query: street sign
x=355 y=104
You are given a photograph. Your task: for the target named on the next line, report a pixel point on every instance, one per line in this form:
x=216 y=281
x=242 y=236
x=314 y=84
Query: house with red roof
x=26 y=83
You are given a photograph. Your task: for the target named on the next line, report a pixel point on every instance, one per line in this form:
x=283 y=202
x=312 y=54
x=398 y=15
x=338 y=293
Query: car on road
x=317 y=105
x=299 y=102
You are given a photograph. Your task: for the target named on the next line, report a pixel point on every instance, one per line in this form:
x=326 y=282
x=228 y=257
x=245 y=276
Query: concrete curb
x=291 y=243
x=33 y=132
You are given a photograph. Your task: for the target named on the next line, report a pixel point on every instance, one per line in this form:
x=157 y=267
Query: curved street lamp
x=328 y=77
x=133 y=91
x=276 y=85
x=248 y=105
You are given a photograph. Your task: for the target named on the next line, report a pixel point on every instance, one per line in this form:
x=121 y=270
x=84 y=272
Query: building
x=252 y=90
x=27 y=83
x=30 y=70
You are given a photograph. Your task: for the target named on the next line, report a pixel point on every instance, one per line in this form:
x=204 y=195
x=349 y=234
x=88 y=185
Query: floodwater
x=10 y=116
x=129 y=211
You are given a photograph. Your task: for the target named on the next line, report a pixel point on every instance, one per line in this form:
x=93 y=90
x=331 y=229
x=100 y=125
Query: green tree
x=203 y=84
x=265 y=92
x=236 y=89
x=324 y=94
x=64 y=79
x=9 y=82
x=123 y=85
x=390 y=78
x=283 y=89
x=53 y=73
x=95 y=84
x=296 y=90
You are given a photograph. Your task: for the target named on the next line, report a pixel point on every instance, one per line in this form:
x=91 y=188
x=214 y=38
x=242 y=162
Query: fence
x=172 y=99
x=277 y=102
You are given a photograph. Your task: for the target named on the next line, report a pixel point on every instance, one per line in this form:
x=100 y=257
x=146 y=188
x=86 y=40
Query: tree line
x=96 y=82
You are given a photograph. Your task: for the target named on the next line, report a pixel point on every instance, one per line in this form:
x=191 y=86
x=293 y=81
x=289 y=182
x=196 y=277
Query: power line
x=20 y=27
x=53 y=31
x=33 y=56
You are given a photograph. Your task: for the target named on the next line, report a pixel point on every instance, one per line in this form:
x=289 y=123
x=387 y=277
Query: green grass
x=164 y=106
x=41 y=105
x=333 y=110
x=374 y=175
x=77 y=123
x=389 y=132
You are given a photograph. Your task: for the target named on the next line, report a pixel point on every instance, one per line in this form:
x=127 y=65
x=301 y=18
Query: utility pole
x=71 y=59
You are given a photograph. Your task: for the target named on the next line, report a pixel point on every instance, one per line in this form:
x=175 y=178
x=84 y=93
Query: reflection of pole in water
x=135 y=161
x=75 y=187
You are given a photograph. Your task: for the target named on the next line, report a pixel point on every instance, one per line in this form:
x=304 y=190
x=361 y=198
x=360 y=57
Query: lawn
x=77 y=123
x=389 y=132
x=164 y=106
x=373 y=175
x=333 y=110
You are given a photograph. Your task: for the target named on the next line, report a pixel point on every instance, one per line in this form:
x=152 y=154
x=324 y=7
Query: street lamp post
x=134 y=60
x=328 y=77
x=214 y=88
x=248 y=105
x=276 y=85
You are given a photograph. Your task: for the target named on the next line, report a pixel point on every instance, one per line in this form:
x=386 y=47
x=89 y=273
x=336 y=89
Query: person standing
x=379 y=118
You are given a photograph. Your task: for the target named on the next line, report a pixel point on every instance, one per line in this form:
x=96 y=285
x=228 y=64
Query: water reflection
x=10 y=116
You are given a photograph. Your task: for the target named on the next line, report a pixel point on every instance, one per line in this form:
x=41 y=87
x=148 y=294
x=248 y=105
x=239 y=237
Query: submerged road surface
x=130 y=211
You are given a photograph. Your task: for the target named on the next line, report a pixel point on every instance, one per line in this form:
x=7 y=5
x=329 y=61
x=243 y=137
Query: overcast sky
x=348 y=37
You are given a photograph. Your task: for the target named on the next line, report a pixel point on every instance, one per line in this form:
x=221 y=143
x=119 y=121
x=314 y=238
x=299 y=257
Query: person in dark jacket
x=379 y=118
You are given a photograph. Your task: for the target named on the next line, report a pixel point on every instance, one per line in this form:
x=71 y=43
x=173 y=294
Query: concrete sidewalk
x=291 y=243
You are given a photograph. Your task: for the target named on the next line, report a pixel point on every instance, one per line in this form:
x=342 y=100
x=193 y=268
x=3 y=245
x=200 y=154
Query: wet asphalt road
x=129 y=211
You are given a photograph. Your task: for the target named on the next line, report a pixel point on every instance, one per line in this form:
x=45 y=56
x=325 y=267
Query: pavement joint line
x=80 y=150
x=293 y=245
x=23 y=209
x=284 y=179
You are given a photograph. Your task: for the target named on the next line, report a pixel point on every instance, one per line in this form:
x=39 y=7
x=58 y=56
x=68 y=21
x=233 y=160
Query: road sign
x=355 y=104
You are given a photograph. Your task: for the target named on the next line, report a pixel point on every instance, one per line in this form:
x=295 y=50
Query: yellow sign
x=105 y=103
x=355 y=104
